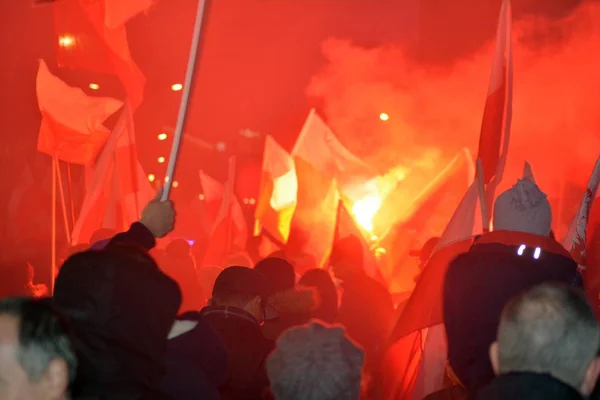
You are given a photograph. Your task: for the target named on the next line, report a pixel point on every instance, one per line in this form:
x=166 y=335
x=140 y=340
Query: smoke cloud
x=436 y=110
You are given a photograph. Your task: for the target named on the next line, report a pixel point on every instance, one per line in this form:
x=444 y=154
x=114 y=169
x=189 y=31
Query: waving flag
x=72 y=122
x=118 y=12
x=118 y=189
x=279 y=192
x=229 y=230
x=87 y=43
x=576 y=238
x=497 y=115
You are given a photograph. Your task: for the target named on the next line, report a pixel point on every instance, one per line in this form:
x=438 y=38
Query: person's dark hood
x=479 y=283
x=121 y=308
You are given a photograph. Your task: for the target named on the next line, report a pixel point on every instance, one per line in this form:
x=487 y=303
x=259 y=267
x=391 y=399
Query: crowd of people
x=126 y=321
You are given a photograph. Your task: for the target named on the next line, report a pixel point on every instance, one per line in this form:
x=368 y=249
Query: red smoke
x=435 y=111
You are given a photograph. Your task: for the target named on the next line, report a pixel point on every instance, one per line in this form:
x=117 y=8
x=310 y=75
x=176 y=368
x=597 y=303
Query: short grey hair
x=43 y=336
x=549 y=329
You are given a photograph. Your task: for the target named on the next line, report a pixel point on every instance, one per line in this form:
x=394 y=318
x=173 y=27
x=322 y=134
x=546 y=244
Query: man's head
x=347 y=257
x=315 y=361
x=550 y=329
x=37 y=360
x=242 y=288
x=523 y=208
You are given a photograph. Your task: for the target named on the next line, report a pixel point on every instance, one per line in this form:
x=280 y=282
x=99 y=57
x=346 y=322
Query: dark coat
x=196 y=362
x=247 y=348
x=451 y=393
x=527 y=386
x=121 y=308
x=366 y=311
x=478 y=285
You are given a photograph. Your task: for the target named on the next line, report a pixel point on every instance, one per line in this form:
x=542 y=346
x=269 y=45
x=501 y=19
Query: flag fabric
x=278 y=194
x=118 y=12
x=423 y=313
x=433 y=207
x=229 y=231
x=72 y=122
x=497 y=115
x=345 y=227
x=316 y=171
x=424 y=307
x=85 y=42
x=576 y=238
x=213 y=192
x=118 y=189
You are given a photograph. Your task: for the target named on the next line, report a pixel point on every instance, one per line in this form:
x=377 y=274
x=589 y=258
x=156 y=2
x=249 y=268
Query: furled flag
x=278 y=194
x=576 y=238
x=229 y=230
x=497 y=115
x=72 y=122
x=118 y=12
x=86 y=42
x=345 y=227
x=119 y=189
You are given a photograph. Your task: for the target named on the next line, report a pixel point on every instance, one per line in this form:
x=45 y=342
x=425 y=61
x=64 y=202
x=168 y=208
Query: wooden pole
x=63 y=202
x=485 y=217
x=231 y=181
x=53 y=237
x=70 y=187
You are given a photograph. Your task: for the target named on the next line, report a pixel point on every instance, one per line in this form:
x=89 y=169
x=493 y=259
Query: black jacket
x=478 y=285
x=247 y=348
x=196 y=362
x=527 y=386
x=121 y=308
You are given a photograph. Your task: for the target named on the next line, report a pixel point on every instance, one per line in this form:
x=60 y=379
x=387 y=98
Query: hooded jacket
x=479 y=283
x=120 y=331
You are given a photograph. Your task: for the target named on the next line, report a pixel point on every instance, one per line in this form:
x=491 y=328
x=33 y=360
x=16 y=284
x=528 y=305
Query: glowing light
x=151 y=177
x=175 y=184
x=537 y=253
x=66 y=41
x=177 y=87
x=521 y=249
x=384 y=117
x=161 y=160
x=252 y=201
x=162 y=136
x=201 y=197
x=364 y=211
x=245 y=201
x=94 y=86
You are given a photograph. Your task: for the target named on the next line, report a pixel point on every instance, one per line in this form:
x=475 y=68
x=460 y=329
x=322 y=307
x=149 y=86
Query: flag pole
x=53 y=238
x=63 y=202
x=232 y=164
x=70 y=187
x=485 y=217
x=185 y=99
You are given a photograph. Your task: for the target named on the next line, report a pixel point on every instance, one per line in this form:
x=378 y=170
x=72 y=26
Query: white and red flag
x=278 y=194
x=72 y=122
x=497 y=115
x=229 y=231
x=118 y=189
